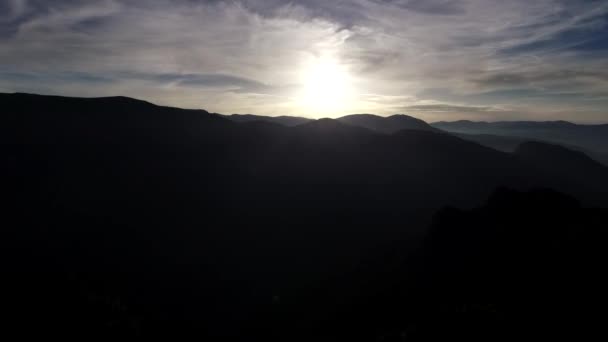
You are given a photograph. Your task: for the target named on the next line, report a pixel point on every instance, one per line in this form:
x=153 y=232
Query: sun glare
x=326 y=88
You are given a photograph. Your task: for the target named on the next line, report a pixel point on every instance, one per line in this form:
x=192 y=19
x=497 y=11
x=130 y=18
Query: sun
x=326 y=87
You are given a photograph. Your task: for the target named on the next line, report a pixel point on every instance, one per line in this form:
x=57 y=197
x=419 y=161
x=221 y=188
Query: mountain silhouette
x=502 y=136
x=495 y=271
x=563 y=163
x=321 y=147
x=592 y=139
x=282 y=120
x=380 y=124
x=390 y=124
x=130 y=218
x=488 y=272
x=543 y=153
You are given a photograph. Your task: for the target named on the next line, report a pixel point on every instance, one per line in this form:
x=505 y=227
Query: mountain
x=93 y=149
x=53 y=119
x=563 y=162
x=514 y=125
x=506 y=139
x=282 y=120
x=134 y=217
x=553 y=155
x=510 y=143
x=592 y=139
x=510 y=257
x=389 y=125
x=502 y=136
x=376 y=123
x=491 y=272
x=501 y=143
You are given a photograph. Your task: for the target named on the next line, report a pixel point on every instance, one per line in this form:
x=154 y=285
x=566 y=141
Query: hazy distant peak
x=387 y=125
x=325 y=123
x=362 y=115
x=284 y=120
x=403 y=116
x=458 y=122
x=463 y=123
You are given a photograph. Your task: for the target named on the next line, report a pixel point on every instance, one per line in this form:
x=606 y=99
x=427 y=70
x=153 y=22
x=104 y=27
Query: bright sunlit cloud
x=433 y=59
x=327 y=87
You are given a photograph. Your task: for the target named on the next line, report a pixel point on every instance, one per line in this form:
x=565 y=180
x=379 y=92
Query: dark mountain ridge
x=564 y=162
x=201 y=225
x=389 y=125
x=502 y=135
x=282 y=120
x=592 y=139
x=380 y=124
x=508 y=124
x=131 y=122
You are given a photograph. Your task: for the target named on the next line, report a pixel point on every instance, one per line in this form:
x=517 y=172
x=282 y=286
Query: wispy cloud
x=248 y=55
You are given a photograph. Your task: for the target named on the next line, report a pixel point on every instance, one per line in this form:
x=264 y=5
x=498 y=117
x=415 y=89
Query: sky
x=436 y=60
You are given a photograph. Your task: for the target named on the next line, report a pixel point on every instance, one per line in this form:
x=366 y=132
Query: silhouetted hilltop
x=388 y=125
x=36 y=118
x=23 y=103
x=326 y=125
x=331 y=130
x=283 y=120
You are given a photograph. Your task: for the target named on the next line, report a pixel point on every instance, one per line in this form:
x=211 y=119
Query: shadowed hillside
x=592 y=139
x=501 y=136
x=128 y=218
x=521 y=264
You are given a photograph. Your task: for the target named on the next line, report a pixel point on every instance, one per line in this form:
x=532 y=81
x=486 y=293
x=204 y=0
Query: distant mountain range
x=503 y=136
x=390 y=124
x=259 y=226
x=282 y=120
x=402 y=150
x=591 y=139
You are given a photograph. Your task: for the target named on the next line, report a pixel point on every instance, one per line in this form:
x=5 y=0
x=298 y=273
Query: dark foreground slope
x=523 y=264
x=122 y=217
x=562 y=163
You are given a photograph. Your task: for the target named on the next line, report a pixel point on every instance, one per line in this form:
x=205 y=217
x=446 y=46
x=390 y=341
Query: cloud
x=249 y=55
x=446 y=108
x=514 y=79
x=433 y=7
x=450 y=112
x=12 y=9
x=548 y=76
